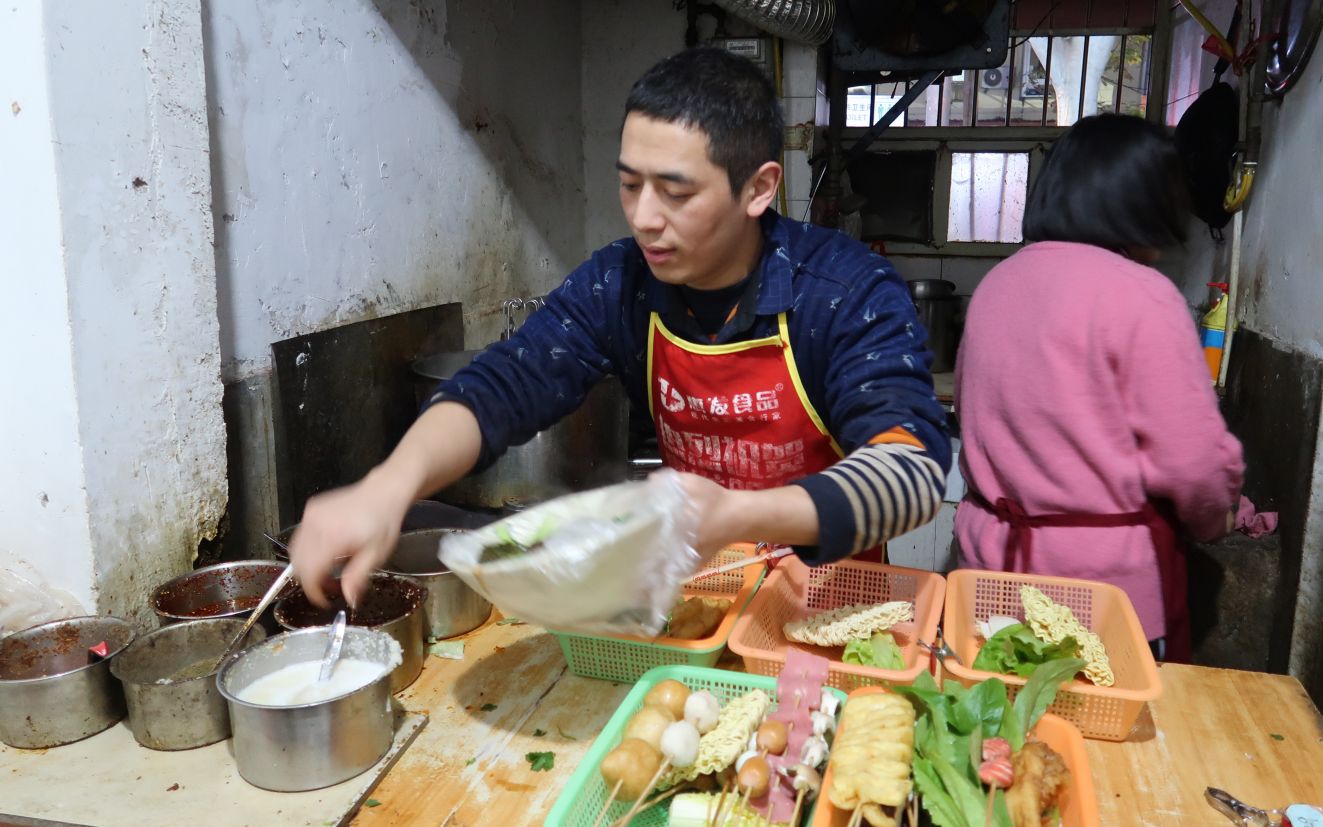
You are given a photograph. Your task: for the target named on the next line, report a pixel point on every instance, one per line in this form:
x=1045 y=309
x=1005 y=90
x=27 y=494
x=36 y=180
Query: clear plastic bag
x=607 y=561
x=27 y=600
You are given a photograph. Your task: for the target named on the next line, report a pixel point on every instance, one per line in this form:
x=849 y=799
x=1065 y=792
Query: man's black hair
x=725 y=96
x=1113 y=181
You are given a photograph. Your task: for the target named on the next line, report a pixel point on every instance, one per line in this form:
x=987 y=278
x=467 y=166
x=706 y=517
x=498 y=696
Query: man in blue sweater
x=782 y=364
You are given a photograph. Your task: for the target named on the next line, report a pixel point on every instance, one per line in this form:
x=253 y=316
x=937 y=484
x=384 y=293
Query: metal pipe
x=804 y=21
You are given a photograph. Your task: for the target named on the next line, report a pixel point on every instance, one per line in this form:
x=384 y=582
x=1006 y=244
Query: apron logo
x=671 y=399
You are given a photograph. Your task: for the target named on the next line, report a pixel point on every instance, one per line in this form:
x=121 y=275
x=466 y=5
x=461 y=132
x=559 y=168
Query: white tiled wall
x=799 y=88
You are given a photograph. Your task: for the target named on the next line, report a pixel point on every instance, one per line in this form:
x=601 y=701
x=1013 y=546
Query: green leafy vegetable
x=509 y=621
x=372 y=802
x=880 y=652
x=1015 y=650
x=452 y=649
x=1038 y=693
x=562 y=733
x=949 y=732
x=538 y=733
x=1276 y=737
x=488 y=707
x=469 y=762
x=541 y=761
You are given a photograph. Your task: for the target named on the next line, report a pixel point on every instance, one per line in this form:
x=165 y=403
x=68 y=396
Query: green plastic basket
x=586 y=792
x=625 y=659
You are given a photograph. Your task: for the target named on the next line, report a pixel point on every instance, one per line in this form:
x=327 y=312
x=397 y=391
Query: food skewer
x=739 y=564
x=611 y=799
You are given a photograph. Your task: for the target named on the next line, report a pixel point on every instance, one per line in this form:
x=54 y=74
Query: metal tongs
x=1240 y=812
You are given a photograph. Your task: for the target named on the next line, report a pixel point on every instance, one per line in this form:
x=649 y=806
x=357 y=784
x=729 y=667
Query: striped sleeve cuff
x=880 y=491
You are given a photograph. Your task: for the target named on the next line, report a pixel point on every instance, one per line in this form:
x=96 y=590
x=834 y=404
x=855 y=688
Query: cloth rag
x=1252 y=522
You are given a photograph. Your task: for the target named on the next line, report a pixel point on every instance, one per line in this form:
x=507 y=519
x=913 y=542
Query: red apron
x=737 y=413
x=1167 y=546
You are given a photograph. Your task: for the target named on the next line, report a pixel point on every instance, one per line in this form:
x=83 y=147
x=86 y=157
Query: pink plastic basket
x=1103 y=712
x=793 y=591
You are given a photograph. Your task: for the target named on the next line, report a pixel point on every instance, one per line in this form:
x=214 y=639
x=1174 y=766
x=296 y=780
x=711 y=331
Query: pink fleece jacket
x=1081 y=387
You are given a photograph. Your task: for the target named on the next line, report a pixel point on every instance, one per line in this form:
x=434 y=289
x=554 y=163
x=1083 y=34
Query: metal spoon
x=333 y=647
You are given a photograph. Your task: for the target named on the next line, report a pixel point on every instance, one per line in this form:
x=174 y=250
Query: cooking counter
x=1257 y=736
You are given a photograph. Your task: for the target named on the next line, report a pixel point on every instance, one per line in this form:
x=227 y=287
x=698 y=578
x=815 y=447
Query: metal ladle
x=262 y=605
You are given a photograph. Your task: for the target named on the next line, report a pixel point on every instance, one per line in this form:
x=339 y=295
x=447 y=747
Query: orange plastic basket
x=625 y=658
x=1078 y=803
x=1103 y=712
x=793 y=591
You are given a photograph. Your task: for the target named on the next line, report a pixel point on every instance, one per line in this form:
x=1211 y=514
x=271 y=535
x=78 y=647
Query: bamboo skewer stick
x=611 y=799
x=987 y=816
x=721 y=803
x=659 y=798
x=799 y=805
x=638 y=802
x=738 y=564
x=857 y=816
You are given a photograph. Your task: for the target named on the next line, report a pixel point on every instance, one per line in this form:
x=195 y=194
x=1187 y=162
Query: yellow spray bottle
x=1212 y=330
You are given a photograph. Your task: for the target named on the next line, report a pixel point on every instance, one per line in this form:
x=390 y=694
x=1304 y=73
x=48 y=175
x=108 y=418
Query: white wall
x=621 y=40
x=120 y=340
x=42 y=505
x=375 y=157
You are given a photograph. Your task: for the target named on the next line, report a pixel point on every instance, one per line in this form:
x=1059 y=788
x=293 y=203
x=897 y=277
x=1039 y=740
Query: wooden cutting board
x=109 y=780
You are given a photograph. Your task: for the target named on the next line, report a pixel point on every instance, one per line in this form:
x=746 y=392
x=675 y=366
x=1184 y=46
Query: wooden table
x=1212 y=727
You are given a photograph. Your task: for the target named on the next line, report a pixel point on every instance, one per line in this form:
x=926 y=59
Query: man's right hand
x=361 y=522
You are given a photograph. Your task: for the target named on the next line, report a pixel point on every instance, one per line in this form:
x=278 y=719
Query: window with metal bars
x=986 y=131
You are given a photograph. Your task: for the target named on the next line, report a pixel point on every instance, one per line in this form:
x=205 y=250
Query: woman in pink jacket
x=1091 y=432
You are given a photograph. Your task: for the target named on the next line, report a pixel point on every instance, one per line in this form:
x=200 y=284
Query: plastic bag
x=27 y=600
x=607 y=561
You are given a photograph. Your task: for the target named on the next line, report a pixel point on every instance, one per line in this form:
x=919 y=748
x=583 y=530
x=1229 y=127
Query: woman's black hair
x=725 y=96
x=1112 y=181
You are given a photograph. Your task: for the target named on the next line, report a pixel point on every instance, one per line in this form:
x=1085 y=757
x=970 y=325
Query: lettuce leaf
x=879 y=652
x=1015 y=650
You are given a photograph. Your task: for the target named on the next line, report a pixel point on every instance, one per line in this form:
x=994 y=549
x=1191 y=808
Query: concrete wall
x=42 y=505
x=621 y=40
x=1281 y=300
x=118 y=456
x=376 y=156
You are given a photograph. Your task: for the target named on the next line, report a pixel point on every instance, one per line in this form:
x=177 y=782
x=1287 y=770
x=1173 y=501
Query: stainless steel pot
x=392 y=604
x=169 y=679
x=52 y=690
x=306 y=747
x=587 y=449
x=936 y=303
x=451 y=607
x=224 y=590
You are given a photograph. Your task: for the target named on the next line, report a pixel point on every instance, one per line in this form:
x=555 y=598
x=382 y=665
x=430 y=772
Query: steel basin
x=52 y=691
x=451 y=607
x=306 y=747
x=171 y=706
x=225 y=590
x=392 y=604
